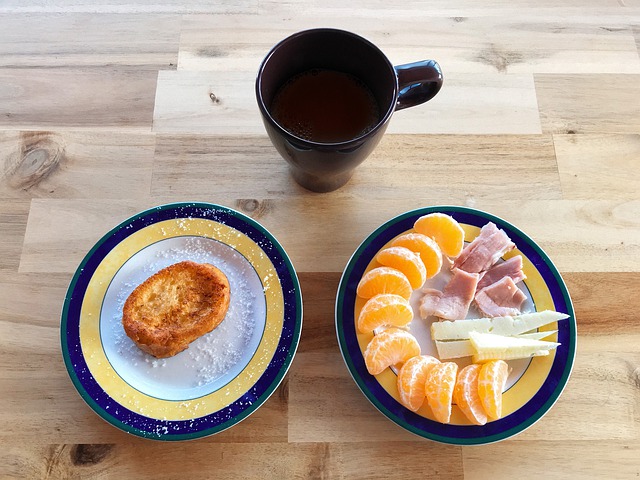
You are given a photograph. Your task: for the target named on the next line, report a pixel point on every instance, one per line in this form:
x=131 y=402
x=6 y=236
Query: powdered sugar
x=210 y=361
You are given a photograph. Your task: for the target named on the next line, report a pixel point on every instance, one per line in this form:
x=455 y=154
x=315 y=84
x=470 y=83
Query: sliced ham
x=485 y=250
x=500 y=299
x=509 y=268
x=453 y=302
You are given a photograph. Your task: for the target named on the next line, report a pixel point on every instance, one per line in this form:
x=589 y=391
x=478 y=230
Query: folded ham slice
x=509 y=268
x=453 y=302
x=485 y=250
x=500 y=299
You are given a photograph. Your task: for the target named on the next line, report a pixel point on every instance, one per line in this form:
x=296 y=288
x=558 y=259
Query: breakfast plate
x=534 y=384
x=223 y=376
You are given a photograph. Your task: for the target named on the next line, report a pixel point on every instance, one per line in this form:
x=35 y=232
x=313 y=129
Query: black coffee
x=325 y=106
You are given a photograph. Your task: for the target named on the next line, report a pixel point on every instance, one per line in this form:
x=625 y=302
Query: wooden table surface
x=105 y=110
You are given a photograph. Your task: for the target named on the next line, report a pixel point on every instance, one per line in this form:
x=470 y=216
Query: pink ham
x=509 y=268
x=453 y=302
x=485 y=250
x=500 y=299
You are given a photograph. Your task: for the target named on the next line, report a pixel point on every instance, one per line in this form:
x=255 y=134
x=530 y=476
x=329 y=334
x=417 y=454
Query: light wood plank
x=465 y=168
x=60 y=232
x=40 y=98
x=594 y=103
x=129 y=7
x=13 y=224
x=509 y=43
x=603 y=311
x=598 y=166
x=589 y=460
x=488 y=103
x=78 y=227
x=232 y=461
x=68 y=40
x=75 y=164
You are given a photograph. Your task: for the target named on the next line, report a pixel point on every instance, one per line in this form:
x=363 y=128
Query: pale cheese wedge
x=497 y=347
x=464 y=348
x=507 y=326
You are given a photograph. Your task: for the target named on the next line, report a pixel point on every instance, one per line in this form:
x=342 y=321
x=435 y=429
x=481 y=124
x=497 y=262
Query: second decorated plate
x=533 y=385
x=223 y=376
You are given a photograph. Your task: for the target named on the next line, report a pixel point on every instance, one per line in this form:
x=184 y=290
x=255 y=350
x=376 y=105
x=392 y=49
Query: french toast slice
x=175 y=306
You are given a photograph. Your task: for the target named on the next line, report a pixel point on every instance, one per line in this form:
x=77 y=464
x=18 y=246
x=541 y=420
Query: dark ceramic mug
x=323 y=167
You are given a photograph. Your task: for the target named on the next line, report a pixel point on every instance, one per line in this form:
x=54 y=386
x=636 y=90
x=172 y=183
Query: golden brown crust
x=173 y=307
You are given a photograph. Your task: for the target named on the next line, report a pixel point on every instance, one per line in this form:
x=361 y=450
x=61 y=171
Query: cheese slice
x=464 y=348
x=497 y=347
x=506 y=326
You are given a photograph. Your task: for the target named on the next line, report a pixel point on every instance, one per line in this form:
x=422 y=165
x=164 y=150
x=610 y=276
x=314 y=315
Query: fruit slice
x=492 y=380
x=386 y=309
x=412 y=378
x=441 y=380
x=390 y=347
x=466 y=396
x=426 y=247
x=444 y=229
x=384 y=280
x=406 y=261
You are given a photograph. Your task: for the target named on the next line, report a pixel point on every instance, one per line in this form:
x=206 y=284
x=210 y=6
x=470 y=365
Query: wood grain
x=72 y=40
x=569 y=104
x=598 y=166
x=484 y=103
x=40 y=98
x=109 y=108
x=75 y=164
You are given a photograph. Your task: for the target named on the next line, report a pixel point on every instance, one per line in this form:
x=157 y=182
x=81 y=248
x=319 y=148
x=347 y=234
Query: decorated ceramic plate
x=223 y=376
x=534 y=384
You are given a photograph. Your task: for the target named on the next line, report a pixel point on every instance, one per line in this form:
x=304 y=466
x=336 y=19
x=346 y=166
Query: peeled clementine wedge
x=426 y=247
x=412 y=378
x=406 y=261
x=390 y=347
x=384 y=280
x=492 y=380
x=466 y=396
x=386 y=309
x=441 y=380
x=444 y=229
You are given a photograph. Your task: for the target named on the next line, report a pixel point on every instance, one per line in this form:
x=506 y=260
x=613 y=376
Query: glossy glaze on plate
x=538 y=382
x=170 y=399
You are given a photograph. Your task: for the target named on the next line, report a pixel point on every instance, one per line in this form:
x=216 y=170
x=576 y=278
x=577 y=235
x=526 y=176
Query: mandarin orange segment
x=406 y=261
x=466 y=396
x=390 y=347
x=426 y=247
x=441 y=380
x=444 y=229
x=384 y=280
x=412 y=378
x=386 y=309
x=492 y=380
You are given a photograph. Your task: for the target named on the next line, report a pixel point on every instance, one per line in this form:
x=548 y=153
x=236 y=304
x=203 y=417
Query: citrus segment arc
x=408 y=262
x=466 y=396
x=492 y=380
x=441 y=380
x=384 y=280
x=386 y=309
x=390 y=347
x=412 y=378
x=444 y=229
x=426 y=247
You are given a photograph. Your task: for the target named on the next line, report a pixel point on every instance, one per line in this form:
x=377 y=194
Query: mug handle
x=418 y=82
